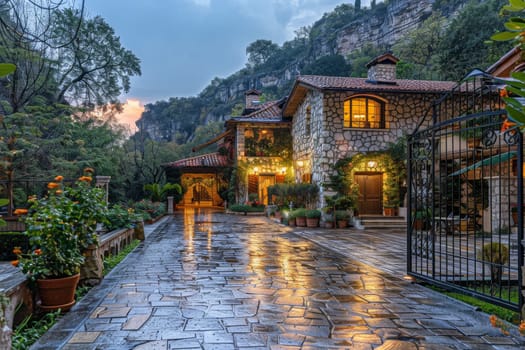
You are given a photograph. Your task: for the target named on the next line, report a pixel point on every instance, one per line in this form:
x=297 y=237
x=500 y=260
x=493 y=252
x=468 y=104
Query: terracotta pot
x=291 y=222
x=300 y=221
x=329 y=224
x=57 y=293
x=342 y=223
x=312 y=222
x=390 y=211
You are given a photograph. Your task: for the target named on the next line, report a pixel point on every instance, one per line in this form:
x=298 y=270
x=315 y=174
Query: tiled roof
x=402 y=85
x=267 y=112
x=210 y=160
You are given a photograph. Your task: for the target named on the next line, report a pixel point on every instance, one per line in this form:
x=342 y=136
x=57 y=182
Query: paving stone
x=397 y=345
x=84 y=337
x=247 y=283
x=135 y=322
x=202 y=325
x=153 y=345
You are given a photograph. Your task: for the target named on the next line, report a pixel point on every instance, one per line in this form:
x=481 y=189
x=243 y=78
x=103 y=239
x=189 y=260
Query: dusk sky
x=184 y=44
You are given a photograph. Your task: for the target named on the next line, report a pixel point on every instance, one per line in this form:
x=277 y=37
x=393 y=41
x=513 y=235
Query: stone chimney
x=252 y=99
x=382 y=69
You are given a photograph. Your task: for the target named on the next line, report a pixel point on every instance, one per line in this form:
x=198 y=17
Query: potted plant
x=291 y=218
x=328 y=217
x=312 y=217
x=391 y=195
x=300 y=217
x=341 y=218
x=421 y=218
x=60 y=226
x=514 y=213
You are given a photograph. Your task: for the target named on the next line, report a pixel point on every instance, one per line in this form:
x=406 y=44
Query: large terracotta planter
x=390 y=211
x=300 y=221
x=312 y=222
x=57 y=293
x=342 y=223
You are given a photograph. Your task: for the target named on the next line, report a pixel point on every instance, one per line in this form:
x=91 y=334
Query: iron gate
x=465 y=175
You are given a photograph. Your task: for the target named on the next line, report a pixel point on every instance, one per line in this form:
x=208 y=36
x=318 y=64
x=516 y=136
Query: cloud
x=132 y=111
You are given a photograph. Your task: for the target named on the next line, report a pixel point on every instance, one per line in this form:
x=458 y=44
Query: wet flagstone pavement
x=205 y=280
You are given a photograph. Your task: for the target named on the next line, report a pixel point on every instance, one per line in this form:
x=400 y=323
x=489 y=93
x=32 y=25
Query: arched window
x=364 y=112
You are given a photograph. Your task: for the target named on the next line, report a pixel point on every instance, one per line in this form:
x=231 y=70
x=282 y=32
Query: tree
x=359 y=59
x=259 y=51
x=94 y=68
x=461 y=50
x=25 y=40
x=331 y=65
x=420 y=47
x=357 y=5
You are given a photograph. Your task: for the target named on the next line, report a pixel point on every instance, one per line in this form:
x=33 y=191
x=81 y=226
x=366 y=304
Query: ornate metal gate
x=465 y=175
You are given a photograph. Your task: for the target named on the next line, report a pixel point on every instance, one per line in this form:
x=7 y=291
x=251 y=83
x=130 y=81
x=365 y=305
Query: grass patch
x=113 y=260
x=31 y=328
x=491 y=309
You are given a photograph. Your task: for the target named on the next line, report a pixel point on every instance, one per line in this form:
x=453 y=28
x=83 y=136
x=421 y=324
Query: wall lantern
x=372 y=164
x=300 y=163
x=283 y=171
x=256 y=170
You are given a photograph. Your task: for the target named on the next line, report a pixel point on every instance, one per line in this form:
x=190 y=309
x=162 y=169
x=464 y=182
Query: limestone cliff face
x=401 y=17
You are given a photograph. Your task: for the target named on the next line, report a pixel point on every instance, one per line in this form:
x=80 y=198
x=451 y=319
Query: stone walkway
x=205 y=280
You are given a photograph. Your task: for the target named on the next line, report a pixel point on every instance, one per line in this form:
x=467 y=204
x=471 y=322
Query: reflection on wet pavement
x=207 y=280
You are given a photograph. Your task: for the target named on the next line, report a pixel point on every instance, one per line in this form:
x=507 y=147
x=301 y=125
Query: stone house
x=340 y=117
x=254 y=151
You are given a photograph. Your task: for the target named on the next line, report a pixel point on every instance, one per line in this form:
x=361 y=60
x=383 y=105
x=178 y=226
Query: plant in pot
x=421 y=219
x=312 y=217
x=328 y=217
x=341 y=218
x=291 y=218
x=60 y=227
x=391 y=194
x=300 y=217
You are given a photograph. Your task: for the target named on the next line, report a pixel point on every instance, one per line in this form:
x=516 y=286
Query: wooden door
x=370 y=193
x=265 y=181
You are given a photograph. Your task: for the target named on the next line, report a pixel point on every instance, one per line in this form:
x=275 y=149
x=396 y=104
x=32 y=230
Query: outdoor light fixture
x=283 y=170
x=372 y=164
x=256 y=170
x=300 y=163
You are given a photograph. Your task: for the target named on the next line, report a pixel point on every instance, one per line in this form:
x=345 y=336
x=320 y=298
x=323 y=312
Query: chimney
x=252 y=99
x=382 y=69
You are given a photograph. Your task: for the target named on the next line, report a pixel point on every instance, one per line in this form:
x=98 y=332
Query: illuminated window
x=364 y=112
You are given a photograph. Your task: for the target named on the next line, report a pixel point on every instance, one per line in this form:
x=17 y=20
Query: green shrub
x=300 y=213
x=313 y=214
x=342 y=215
x=148 y=209
x=9 y=240
x=244 y=208
x=120 y=217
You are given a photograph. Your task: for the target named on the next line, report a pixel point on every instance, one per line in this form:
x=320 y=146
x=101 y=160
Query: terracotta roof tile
x=343 y=83
x=210 y=160
x=267 y=112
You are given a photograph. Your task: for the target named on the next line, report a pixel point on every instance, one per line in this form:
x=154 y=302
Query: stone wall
x=328 y=141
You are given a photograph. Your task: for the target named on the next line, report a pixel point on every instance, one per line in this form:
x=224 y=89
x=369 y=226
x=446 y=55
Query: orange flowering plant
x=60 y=227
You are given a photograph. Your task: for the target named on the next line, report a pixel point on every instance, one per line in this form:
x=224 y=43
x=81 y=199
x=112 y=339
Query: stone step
x=378 y=221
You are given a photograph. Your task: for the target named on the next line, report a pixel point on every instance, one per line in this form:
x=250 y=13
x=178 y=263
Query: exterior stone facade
x=328 y=141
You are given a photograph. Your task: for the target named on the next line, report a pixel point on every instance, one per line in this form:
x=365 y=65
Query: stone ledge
x=13 y=283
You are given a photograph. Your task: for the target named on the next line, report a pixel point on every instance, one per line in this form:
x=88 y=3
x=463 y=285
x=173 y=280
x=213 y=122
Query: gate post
x=170 y=205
